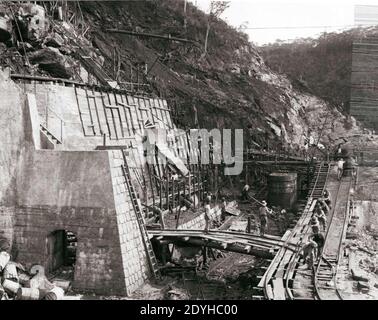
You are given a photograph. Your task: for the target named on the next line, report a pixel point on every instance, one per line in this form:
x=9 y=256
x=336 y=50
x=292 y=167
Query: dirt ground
x=229 y=276
x=358 y=279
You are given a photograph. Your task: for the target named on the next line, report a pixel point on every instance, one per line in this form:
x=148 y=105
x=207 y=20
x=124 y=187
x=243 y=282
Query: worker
x=207 y=202
x=159 y=216
x=207 y=199
x=339 y=150
x=340 y=168
x=315 y=226
x=320 y=240
x=320 y=215
x=282 y=220
x=223 y=209
x=174 y=177
x=244 y=194
x=263 y=215
x=353 y=162
x=309 y=252
x=207 y=217
x=327 y=198
x=323 y=205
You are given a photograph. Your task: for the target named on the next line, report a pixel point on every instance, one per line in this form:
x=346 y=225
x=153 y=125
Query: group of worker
x=312 y=249
x=264 y=211
x=340 y=167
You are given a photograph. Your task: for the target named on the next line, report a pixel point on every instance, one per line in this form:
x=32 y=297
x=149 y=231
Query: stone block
x=358 y=275
x=363 y=286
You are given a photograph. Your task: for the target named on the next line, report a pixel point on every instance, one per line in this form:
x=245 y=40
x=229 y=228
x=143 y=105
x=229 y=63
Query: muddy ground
x=358 y=278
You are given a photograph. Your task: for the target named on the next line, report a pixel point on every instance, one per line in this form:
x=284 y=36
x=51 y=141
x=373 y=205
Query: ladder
x=142 y=226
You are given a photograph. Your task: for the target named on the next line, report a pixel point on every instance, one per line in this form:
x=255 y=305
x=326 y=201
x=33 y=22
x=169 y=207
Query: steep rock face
x=229 y=87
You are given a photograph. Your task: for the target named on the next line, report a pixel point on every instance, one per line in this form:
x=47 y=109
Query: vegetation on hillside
x=228 y=87
x=319 y=66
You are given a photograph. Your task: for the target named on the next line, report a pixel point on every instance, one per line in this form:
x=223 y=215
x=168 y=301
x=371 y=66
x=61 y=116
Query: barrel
x=5 y=32
x=10 y=272
x=4 y=259
x=282 y=189
x=2 y=292
x=28 y=294
x=55 y=293
x=24 y=279
x=11 y=286
x=37 y=269
x=64 y=284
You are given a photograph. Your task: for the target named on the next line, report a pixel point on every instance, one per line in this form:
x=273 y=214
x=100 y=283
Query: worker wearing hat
x=282 y=220
x=263 y=215
x=309 y=252
x=315 y=225
x=244 y=193
x=207 y=211
x=320 y=215
x=223 y=207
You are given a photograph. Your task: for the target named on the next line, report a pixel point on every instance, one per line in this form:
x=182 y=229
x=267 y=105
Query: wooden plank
x=278 y=290
x=84 y=111
x=276 y=260
x=269 y=292
x=283 y=264
x=101 y=111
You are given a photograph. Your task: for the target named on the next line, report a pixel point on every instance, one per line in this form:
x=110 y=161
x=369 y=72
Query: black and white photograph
x=192 y=150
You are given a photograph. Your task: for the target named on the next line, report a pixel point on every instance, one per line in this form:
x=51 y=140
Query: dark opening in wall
x=61 y=253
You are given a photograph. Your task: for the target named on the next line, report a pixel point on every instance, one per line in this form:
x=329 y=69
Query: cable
x=308 y=27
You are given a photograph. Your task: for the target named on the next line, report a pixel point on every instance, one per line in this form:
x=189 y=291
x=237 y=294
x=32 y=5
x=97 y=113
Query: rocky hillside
x=230 y=87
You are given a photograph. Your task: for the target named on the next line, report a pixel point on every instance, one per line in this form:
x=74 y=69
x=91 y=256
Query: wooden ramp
x=240 y=242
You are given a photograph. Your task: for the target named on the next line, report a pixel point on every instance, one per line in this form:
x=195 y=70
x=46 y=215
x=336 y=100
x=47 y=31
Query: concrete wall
x=11 y=144
x=72 y=191
x=58 y=178
x=135 y=263
x=55 y=102
x=85 y=117
x=42 y=191
x=198 y=223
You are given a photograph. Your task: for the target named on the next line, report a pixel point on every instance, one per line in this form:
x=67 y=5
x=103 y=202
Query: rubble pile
x=19 y=284
x=31 y=44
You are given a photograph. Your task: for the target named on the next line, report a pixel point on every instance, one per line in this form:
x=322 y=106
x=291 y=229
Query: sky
x=288 y=19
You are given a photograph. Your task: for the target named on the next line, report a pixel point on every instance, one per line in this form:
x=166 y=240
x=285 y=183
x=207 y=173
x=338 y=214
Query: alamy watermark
x=198 y=146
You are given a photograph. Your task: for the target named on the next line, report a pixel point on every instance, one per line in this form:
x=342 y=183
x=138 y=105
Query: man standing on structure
x=244 y=194
x=223 y=208
x=353 y=162
x=282 y=220
x=159 y=216
x=320 y=215
x=207 y=211
x=263 y=215
x=340 y=168
x=319 y=239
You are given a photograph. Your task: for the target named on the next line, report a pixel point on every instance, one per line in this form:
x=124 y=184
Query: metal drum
x=282 y=189
x=28 y=294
